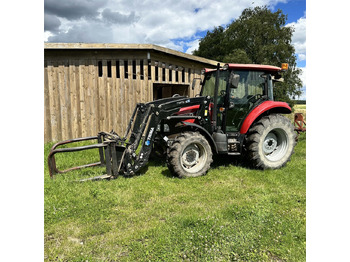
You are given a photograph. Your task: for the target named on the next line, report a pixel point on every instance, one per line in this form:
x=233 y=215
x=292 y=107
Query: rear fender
x=275 y=107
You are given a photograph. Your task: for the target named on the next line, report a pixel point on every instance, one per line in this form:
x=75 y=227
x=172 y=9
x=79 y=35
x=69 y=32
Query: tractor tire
x=189 y=155
x=270 y=142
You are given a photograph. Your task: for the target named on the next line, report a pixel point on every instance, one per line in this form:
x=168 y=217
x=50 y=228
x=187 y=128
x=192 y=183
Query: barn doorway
x=168 y=90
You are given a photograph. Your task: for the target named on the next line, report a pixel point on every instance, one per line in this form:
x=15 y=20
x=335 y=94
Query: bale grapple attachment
x=111 y=153
x=125 y=155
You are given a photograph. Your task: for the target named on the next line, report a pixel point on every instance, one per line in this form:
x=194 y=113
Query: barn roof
x=88 y=46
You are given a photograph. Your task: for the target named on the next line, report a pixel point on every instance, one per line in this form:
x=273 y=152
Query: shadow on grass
x=218 y=161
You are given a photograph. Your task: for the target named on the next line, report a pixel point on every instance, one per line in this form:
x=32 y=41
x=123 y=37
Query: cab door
x=250 y=92
x=208 y=89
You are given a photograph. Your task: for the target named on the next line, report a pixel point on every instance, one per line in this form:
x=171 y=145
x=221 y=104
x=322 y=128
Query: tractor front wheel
x=189 y=155
x=270 y=142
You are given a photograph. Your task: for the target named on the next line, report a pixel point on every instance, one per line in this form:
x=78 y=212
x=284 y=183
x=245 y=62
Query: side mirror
x=194 y=82
x=234 y=80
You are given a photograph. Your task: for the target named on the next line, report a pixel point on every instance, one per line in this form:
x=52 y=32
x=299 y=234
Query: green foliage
x=238 y=56
x=258 y=36
x=300 y=102
x=231 y=214
x=211 y=46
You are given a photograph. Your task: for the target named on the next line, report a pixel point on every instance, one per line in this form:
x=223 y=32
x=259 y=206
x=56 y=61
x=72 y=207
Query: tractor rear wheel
x=189 y=155
x=270 y=142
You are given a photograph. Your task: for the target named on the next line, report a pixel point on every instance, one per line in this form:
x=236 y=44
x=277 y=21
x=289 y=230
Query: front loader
x=234 y=114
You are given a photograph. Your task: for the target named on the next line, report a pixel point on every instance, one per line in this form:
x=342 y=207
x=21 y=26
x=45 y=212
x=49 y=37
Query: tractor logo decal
x=148 y=141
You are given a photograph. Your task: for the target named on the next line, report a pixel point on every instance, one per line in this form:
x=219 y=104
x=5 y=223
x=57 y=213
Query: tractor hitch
x=111 y=152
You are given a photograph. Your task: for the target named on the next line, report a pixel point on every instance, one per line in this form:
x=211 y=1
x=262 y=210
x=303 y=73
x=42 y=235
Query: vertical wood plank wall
x=79 y=102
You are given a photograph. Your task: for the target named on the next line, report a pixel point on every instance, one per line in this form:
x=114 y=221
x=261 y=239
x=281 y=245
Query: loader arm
x=127 y=155
x=144 y=123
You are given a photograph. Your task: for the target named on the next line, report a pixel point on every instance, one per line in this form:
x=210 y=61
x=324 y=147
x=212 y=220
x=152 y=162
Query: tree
x=211 y=46
x=258 y=36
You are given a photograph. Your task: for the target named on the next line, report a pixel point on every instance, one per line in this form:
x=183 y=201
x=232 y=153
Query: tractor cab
x=241 y=88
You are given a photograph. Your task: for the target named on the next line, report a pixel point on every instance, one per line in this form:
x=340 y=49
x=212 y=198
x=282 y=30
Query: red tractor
x=234 y=114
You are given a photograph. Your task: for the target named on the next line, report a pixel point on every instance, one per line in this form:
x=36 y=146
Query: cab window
x=209 y=85
x=251 y=84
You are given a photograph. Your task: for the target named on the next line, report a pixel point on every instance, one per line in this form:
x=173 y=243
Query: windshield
x=209 y=85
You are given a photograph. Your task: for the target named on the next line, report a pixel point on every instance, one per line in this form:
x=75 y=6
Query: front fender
x=204 y=132
x=277 y=107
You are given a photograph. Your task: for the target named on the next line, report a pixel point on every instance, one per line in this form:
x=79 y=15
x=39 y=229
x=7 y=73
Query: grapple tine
x=111 y=155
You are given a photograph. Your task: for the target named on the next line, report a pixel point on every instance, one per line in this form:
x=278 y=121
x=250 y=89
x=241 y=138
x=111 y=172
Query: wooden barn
x=95 y=87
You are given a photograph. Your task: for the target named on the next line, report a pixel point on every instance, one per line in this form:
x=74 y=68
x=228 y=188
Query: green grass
x=299 y=107
x=231 y=214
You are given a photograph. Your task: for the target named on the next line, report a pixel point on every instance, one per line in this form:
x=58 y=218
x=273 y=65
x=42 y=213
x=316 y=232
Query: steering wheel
x=256 y=97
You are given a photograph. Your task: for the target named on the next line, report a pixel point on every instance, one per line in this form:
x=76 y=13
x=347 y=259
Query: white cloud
x=301 y=57
x=193 y=45
x=299 y=43
x=156 y=22
x=303 y=75
x=303 y=79
x=47 y=34
x=299 y=37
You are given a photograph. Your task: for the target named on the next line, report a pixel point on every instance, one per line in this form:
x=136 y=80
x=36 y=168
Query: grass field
x=231 y=214
x=297 y=109
x=300 y=109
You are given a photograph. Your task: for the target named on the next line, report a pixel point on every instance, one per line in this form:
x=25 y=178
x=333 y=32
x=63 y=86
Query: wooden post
x=47 y=115
x=130 y=87
x=113 y=100
x=145 y=81
x=138 y=83
x=88 y=100
x=122 y=104
x=82 y=97
x=93 y=75
x=107 y=96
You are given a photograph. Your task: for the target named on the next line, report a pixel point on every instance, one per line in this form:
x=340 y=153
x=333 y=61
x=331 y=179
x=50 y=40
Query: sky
x=178 y=25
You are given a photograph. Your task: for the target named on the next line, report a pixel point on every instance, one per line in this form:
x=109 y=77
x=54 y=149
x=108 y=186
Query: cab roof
x=268 y=68
x=265 y=68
